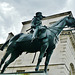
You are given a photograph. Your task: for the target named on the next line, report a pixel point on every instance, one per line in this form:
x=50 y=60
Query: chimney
x=10 y=35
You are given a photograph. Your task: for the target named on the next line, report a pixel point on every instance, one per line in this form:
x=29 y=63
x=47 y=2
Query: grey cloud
x=28 y=7
x=24 y=10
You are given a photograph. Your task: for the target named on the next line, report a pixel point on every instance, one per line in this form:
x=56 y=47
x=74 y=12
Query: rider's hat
x=38 y=14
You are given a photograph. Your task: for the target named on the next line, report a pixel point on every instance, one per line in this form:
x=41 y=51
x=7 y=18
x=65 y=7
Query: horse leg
x=43 y=49
x=48 y=55
x=4 y=45
x=9 y=50
x=14 y=55
x=4 y=58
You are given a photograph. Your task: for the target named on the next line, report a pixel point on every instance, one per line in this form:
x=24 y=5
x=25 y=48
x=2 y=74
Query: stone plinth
x=26 y=73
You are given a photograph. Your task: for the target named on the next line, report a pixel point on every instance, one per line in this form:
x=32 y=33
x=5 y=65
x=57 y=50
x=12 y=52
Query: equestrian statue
x=40 y=38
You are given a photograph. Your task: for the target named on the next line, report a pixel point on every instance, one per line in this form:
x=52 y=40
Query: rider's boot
x=33 y=38
x=34 y=35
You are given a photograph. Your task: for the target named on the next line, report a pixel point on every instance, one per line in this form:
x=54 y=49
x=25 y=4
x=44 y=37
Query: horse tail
x=14 y=38
x=4 y=45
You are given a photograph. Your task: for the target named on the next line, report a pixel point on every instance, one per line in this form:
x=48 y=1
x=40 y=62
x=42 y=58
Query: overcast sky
x=13 y=12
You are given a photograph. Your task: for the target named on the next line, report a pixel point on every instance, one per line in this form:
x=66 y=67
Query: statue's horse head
x=71 y=22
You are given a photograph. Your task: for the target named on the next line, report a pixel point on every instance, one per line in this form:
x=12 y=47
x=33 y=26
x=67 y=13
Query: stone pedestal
x=26 y=73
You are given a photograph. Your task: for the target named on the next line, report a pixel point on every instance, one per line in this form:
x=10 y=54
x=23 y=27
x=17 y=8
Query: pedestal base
x=26 y=73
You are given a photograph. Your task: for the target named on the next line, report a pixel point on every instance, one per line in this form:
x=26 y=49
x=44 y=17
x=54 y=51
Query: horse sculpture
x=23 y=43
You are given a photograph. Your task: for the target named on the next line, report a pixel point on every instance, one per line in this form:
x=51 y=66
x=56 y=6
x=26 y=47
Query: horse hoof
x=1 y=49
x=36 y=69
x=45 y=71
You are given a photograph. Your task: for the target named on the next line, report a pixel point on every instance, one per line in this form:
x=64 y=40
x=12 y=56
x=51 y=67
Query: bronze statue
x=22 y=43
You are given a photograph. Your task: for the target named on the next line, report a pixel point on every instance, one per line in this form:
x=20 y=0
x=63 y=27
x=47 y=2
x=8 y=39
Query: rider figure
x=35 y=23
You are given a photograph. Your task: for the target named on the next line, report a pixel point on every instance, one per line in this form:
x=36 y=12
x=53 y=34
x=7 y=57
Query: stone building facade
x=62 y=61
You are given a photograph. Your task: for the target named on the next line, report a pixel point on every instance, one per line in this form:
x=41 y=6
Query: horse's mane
x=55 y=25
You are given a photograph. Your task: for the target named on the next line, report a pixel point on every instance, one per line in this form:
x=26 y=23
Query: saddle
x=42 y=32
